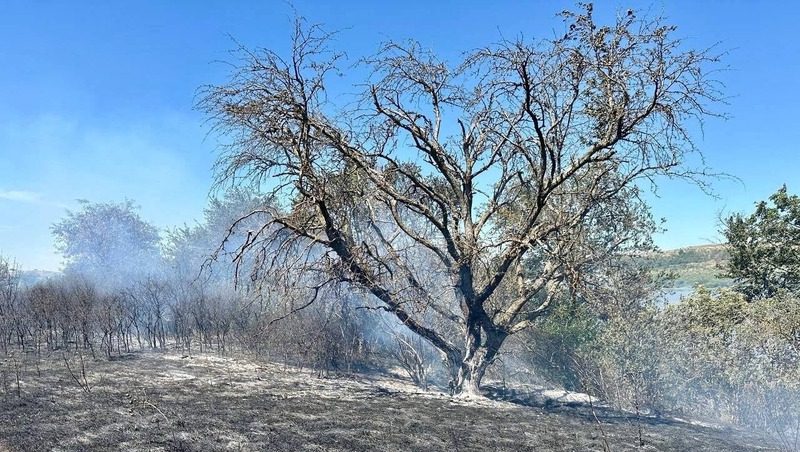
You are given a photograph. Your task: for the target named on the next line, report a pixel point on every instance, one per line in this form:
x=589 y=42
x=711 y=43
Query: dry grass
x=149 y=401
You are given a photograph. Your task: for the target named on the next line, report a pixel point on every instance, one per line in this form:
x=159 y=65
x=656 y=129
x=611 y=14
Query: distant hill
x=693 y=265
x=31 y=277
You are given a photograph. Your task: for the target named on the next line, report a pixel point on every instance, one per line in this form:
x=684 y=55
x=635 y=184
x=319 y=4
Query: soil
x=150 y=401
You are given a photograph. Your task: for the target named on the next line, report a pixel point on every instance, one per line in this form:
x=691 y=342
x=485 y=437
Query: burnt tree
x=463 y=198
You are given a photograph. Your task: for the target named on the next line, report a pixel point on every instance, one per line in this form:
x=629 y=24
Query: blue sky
x=96 y=97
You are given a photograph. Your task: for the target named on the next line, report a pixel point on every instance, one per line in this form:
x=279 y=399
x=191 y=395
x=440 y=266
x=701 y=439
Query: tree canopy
x=108 y=242
x=764 y=247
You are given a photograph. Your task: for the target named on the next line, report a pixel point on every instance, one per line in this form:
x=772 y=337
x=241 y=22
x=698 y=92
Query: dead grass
x=154 y=402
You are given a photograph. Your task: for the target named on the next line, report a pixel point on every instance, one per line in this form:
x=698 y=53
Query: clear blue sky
x=96 y=97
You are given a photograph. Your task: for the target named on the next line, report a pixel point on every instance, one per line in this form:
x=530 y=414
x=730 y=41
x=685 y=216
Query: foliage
x=764 y=247
x=712 y=355
x=189 y=249
x=108 y=242
x=740 y=359
x=552 y=347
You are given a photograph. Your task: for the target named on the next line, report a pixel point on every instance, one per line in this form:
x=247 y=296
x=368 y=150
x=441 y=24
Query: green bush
x=552 y=347
x=712 y=355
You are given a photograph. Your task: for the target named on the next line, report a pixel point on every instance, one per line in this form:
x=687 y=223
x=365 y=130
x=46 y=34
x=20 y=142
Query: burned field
x=155 y=401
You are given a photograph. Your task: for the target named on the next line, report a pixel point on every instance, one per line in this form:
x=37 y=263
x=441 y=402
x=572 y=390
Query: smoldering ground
x=171 y=401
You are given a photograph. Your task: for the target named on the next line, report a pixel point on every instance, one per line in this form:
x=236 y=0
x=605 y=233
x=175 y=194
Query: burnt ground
x=153 y=401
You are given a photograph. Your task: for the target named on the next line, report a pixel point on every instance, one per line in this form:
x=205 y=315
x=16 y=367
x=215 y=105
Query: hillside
x=31 y=277
x=150 y=401
x=694 y=265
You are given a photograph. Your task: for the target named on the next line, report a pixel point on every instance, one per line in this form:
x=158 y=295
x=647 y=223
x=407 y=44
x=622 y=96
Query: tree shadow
x=574 y=404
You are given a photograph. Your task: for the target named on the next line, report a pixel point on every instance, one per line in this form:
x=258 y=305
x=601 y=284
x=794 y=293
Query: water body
x=675 y=294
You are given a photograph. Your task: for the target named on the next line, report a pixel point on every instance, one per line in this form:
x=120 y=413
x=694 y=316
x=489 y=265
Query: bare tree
x=410 y=354
x=10 y=315
x=512 y=176
x=152 y=295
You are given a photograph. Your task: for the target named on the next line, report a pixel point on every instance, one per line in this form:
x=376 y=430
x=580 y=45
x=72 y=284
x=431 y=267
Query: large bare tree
x=464 y=198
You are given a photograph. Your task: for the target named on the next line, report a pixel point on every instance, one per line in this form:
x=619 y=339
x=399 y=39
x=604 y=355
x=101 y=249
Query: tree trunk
x=481 y=350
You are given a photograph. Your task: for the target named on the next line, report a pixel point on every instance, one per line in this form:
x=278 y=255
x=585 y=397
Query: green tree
x=189 y=249
x=764 y=247
x=108 y=243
